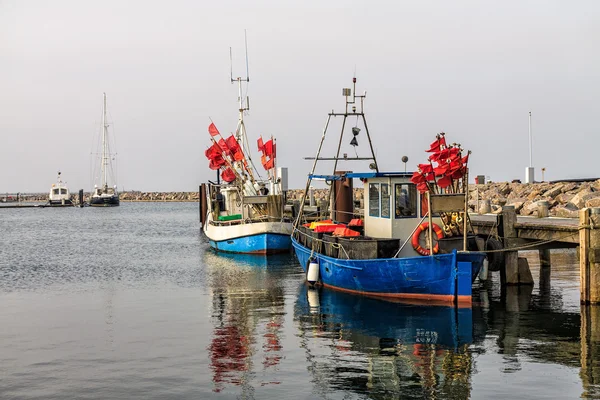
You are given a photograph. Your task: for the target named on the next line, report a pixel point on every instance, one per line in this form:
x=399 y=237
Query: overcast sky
x=473 y=69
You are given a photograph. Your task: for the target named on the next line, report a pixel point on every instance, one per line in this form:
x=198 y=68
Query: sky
x=473 y=69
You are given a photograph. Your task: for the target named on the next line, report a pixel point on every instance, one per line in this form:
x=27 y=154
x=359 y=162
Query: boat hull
x=252 y=238
x=440 y=278
x=59 y=203
x=104 y=201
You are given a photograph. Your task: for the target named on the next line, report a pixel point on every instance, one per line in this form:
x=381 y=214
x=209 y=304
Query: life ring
x=415 y=238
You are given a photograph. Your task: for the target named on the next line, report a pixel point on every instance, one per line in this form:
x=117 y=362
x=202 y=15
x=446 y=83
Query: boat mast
x=105 y=155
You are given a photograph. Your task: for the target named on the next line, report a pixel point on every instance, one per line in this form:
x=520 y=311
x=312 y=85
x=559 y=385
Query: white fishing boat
x=242 y=212
x=105 y=195
x=59 y=193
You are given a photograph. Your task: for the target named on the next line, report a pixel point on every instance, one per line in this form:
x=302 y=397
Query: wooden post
x=594 y=256
x=584 y=243
x=430 y=223
x=544 y=258
x=511 y=266
x=590 y=340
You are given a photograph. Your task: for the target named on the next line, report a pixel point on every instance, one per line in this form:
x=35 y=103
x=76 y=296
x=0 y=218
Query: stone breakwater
x=564 y=198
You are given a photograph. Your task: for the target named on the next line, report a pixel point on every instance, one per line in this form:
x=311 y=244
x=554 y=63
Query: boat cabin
x=392 y=207
x=394 y=213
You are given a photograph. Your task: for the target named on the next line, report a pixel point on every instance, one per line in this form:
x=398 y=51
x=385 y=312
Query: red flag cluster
x=269 y=153
x=450 y=166
x=223 y=153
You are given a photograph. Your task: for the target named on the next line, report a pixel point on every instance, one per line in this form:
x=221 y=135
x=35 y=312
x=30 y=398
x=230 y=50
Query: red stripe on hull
x=412 y=298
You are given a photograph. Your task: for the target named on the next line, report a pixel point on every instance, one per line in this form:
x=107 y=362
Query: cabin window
x=406 y=200
x=63 y=191
x=55 y=191
x=373 y=199
x=385 y=200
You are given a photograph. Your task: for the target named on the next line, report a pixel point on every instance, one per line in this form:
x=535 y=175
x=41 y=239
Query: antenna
x=231 y=65
x=247 y=69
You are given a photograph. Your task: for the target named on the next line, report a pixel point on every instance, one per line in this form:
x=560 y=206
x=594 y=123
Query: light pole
x=529 y=171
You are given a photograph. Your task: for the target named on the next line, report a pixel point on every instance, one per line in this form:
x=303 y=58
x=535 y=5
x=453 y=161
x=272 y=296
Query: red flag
x=422 y=187
x=212 y=151
x=417 y=178
x=465 y=159
x=232 y=143
x=228 y=175
x=216 y=162
x=425 y=168
x=438 y=145
x=260 y=144
x=268 y=148
x=441 y=169
x=212 y=129
x=269 y=164
x=444 y=182
x=238 y=155
x=444 y=154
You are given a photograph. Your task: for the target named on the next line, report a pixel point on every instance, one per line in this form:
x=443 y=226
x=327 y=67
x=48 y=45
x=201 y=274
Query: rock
x=518 y=204
x=529 y=208
x=567 y=211
x=593 y=202
x=564 y=198
x=579 y=199
x=534 y=194
x=569 y=186
x=554 y=191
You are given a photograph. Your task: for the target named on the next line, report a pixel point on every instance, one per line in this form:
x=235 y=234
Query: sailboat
x=244 y=213
x=105 y=195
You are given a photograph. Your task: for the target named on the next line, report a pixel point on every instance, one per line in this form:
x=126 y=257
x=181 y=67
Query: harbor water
x=130 y=303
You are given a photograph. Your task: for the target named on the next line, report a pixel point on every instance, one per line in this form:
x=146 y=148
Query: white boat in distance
x=59 y=193
x=105 y=195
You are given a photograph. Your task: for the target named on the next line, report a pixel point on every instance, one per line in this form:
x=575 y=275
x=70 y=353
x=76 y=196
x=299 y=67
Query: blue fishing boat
x=370 y=254
x=242 y=212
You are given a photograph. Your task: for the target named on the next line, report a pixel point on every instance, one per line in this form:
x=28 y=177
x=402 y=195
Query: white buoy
x=483 y=274
x=312 y=275
x=313 y=300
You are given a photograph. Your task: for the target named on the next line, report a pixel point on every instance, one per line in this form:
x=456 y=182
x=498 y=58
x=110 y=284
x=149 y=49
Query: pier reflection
x=384 y=349
x=247 y=315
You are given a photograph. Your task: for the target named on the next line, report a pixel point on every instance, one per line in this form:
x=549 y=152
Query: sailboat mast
x=104 y=145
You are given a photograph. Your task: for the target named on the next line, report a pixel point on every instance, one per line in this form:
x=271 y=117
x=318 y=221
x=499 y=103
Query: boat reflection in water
x=247 y=315
x=385 y=349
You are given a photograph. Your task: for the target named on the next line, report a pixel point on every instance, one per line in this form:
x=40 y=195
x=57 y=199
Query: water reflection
x=386 y=350
x=247 y=316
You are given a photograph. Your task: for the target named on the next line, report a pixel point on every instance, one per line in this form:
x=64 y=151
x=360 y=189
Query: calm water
x=129 y=303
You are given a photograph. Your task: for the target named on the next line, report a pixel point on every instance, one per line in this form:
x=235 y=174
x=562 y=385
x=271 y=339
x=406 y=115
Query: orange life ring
x=415 y=238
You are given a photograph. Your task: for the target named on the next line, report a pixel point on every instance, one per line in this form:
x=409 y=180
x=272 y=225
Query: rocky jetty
x=564 y=199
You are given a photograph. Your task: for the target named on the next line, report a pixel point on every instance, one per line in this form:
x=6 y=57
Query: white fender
x=312 y=273
x=483 y=274
x=313 y=300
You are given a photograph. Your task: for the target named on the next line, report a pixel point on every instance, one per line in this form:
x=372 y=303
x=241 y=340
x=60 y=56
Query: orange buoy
x=415 y=238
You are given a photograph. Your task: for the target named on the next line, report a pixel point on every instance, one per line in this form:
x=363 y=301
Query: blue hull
x=402 y=323
x=444 y=277
x=263 y=243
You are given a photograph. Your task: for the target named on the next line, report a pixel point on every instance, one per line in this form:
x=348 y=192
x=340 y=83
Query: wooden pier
x=542 y=234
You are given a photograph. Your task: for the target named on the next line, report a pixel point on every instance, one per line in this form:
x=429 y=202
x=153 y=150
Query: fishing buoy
x=312 y=272
x=313 y=300
x=483 y=274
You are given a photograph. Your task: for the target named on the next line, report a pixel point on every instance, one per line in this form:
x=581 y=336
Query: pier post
x=590 y=343
x=508 y=218
x=589 y=255
x=594 y=256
